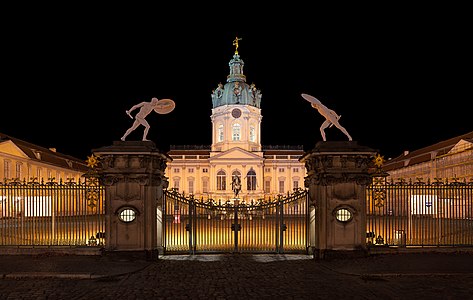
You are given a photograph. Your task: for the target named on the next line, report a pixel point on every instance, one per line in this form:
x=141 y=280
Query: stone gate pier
x=133 y=175
x=337 y=176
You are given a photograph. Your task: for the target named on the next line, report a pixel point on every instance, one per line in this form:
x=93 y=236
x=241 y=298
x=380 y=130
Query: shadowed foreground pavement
x=240 y=276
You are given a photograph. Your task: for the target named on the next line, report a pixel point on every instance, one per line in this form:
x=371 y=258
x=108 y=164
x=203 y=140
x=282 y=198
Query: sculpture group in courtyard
x=331 y=117
x=163 y=106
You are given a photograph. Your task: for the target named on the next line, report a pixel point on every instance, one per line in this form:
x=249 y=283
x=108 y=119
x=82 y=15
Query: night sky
x=400 y=77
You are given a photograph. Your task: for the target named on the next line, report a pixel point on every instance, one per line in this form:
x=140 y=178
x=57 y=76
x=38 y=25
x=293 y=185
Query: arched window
x=221 y=180
x=251 y=180
x=220 y=133
x=252 y=134
x=236 y=132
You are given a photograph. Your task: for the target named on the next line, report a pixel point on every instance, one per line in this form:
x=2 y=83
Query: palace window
x=19 y=170
x=220 y=133
x=252 y=134
x=190 y=170
x=176 y=184
x=7 y=169
x=236 y=132
x=221 y=180
x=205 y=185
x=295 y=184
x=191 y=186
x=251 y=180
x=267 y=170
x=205 y=170
x=176 y=170
x=267 y=186
x=281 y=187
x=281 y=170
x=295 y=170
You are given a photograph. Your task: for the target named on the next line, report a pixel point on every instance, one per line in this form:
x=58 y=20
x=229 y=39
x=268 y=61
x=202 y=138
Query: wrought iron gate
x=277 y=226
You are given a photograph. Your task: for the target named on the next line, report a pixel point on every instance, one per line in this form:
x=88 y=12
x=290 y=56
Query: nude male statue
x=331 y=117
x=145 y=109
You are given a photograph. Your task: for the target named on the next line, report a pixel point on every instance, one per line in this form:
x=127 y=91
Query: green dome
x=236 y=90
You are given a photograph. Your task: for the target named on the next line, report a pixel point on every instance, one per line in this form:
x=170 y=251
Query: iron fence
x=401 y=213
x=438 y=213
x=52 y=213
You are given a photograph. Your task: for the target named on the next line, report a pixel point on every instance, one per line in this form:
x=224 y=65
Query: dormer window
x=69 y=163
x=37 y=154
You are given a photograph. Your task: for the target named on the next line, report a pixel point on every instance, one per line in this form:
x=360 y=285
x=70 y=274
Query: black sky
x=400 y=77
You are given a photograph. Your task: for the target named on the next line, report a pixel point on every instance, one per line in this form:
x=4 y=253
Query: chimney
x=406 y=152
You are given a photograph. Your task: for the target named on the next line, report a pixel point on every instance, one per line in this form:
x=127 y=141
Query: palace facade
x=25 y=162
x=450 y=160
x=236 y=149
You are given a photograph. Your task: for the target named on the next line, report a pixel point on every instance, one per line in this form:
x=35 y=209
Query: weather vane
x=235 y=43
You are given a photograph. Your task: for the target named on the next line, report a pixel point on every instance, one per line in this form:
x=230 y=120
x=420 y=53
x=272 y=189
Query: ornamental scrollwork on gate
x=92 y=181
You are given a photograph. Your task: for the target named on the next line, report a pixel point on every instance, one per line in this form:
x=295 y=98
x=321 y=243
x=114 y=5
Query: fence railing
x=398 y=213
x=420 y=213
x=52 y=213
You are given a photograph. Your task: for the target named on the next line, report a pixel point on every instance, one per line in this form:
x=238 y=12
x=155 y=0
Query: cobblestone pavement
x=227 y=276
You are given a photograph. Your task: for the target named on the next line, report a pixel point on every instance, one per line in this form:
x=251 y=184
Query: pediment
x=236 y=154
x=461 y=146
x=10 y=148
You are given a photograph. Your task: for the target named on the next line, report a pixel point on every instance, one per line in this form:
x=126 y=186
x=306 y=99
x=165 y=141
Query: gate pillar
x=337 y=175
x=133 y=175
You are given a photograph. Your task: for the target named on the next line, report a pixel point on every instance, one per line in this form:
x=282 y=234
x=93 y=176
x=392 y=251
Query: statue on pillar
x=331 y=117
x=163 y=106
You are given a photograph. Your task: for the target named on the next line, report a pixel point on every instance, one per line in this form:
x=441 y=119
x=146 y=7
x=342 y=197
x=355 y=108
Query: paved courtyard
x=240 y=276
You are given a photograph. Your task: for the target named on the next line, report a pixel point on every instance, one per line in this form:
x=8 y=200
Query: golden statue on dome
x=235 y=43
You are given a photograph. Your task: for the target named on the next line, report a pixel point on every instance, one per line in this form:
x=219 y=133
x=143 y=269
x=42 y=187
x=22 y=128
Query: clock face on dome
x=236 y=113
